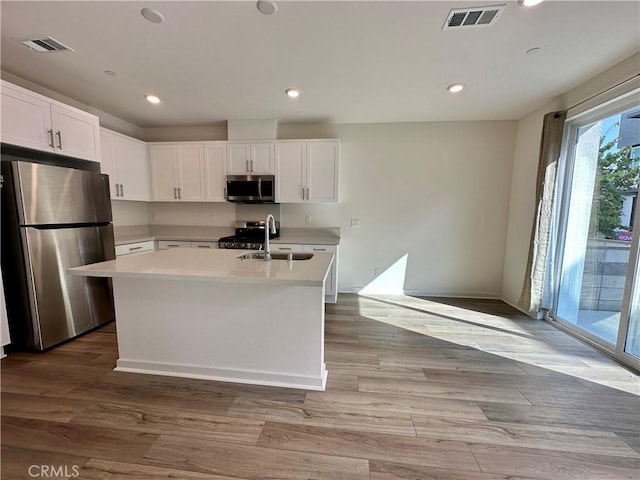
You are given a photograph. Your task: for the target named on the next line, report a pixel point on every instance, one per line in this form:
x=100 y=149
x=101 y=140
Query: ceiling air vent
x=46 y=44
x=473 y=17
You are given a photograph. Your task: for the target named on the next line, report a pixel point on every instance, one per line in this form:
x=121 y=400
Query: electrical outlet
x=377 y=271
x=213 y=218
x=307 y=218
x=355 y=222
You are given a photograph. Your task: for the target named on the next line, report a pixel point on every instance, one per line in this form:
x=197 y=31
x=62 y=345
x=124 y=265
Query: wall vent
x=473 y=17
x=46 y=44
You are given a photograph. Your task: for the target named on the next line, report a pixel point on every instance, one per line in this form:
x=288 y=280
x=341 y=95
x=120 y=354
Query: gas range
x=249 y=236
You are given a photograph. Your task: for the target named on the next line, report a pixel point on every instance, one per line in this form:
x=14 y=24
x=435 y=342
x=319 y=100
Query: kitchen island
x=208 y=314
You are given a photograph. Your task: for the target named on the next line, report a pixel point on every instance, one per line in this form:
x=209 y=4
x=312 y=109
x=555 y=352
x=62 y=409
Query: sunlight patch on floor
x=539 y=348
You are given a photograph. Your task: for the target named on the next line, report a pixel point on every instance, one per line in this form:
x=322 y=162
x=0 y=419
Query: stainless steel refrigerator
x=53 y=218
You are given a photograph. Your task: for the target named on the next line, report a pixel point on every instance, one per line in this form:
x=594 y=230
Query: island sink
x=276 y=256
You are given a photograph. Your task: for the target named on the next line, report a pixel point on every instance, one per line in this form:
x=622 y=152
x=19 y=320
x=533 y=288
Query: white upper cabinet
x=215 y=168
x=177 y=172
x=247 y=158
x=291 y=161
x=307 y=171
x=124 y=159
x=35 y=121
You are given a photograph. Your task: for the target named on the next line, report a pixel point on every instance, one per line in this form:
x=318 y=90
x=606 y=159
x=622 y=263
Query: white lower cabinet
x=204 y=244
x=135 y=248
x=167 y=244
x=286 y=248
x=331 y=284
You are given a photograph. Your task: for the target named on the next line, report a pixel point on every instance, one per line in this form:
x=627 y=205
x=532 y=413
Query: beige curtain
x=550 y=149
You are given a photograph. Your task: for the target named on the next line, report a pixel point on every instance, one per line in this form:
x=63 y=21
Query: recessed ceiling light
x=267 y=7
x=152 y=15
x=111 y=73
x=529 y=3
x=455 y=87
x=292 y=92
x=152 y=99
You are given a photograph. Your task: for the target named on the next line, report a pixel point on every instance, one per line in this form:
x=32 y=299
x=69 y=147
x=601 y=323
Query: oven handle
x=260 y=188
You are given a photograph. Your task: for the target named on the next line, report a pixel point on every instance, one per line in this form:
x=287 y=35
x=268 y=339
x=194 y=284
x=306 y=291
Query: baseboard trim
x=224 y=375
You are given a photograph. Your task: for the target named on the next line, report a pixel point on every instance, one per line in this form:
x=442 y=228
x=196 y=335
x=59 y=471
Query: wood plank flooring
x=418 y=388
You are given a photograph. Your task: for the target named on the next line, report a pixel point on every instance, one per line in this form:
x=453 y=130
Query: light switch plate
x=355 y=222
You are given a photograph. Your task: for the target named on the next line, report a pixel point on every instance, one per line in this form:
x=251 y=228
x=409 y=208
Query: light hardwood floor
x=418 y=389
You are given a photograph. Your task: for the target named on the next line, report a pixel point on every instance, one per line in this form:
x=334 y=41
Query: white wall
x=438 y=192
x=525 y=167
x=127 y=213
x=202 y=214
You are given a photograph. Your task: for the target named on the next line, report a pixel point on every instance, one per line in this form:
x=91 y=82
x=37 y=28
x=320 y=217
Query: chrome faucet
x=267 y=247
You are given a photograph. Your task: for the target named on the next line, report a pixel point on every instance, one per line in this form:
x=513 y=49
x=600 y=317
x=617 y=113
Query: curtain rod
x=630 y=79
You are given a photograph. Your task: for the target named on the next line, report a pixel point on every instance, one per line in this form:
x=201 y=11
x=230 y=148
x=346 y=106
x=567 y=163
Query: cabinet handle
x=50 y=132
x=204 y=246
x=134 y=248
x=172 y=246
x=175 y=193
x=117 y=191
x=252 y=165
x=319 y=249
x=308 y=193
x=284 y=248
x=59 y=135
x=179 y=193
x=121 y=190
x=248 y=167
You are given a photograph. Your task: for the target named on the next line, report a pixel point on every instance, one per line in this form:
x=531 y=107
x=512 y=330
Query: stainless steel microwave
x=251 y=188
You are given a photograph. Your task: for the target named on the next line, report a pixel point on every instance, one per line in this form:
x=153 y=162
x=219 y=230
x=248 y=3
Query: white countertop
x=211 y=266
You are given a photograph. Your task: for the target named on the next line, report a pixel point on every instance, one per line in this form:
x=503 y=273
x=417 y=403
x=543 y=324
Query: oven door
x=251 y=188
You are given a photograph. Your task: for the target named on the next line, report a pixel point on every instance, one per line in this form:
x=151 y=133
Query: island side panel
x=240 y=332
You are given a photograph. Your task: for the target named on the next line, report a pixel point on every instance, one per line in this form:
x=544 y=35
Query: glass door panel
x=598 y=231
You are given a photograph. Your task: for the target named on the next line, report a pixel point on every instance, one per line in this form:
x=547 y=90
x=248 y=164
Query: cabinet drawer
x=204 y=244
x=167 y=244
x=133 y=248
x=286 y=247
x=319 y=248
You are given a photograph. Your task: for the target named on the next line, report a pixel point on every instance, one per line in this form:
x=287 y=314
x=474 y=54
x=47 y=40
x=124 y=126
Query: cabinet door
x=262 y=158
x=132 y=168
x=322 y=171
x=290 y=168
x=215 y=168
x=163 y=185
x=26 y=119
x=189 y=173
x=239 y=157
x=76 y=133
x=107 y=161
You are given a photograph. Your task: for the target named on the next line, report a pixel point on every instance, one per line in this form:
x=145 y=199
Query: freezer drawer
x=63 y=306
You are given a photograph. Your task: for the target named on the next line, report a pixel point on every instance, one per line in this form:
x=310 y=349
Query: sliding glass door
x=597 y=289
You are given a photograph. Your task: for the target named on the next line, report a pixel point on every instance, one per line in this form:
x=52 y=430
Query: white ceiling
x=355 y=62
